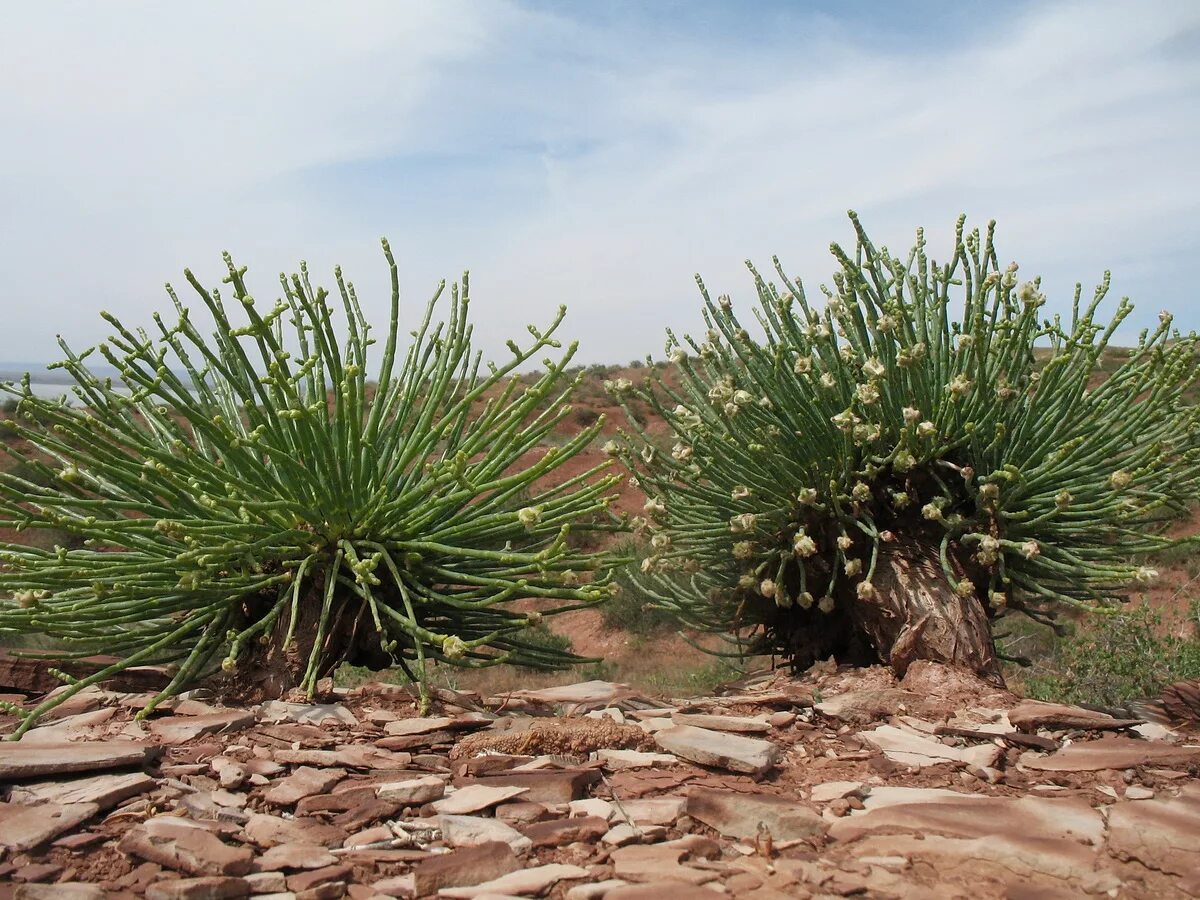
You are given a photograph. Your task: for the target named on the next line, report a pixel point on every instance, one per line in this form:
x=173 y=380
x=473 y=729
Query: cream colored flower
x=743 y=522
x=453 y=647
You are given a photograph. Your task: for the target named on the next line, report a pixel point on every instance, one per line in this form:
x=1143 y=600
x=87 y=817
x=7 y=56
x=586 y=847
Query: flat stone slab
x=26 y=827
x=211 y=887
x=834 y=790
x=862 y=707
x=180 y=729
x=304 y=782
x=1030 y=715
x=740 y=815
x=652 y=810
x=1160 y=834
x=966 y=816
x=472 y=798
x=1066 y=867
x=717 y=748
x=912 y=749
x=735 y=724
x=615 y=760
x=104 y=790
x=471 y=831
x=523 y=883
x=412 y=791
x=17 y=761
x=590 y=693
x=543 y=785
x=464 y=867
x=427 y=725
x=306 y=713
x=1111 y=753
x=185 y=847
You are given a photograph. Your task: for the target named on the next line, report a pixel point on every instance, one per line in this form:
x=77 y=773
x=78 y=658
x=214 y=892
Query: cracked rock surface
x=839 y=782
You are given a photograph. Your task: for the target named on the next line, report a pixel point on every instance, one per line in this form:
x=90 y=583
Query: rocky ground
x=837 y=783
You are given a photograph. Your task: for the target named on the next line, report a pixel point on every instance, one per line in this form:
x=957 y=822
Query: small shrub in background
x=250 y=503
x=632 y=607
x=541 y=637
x=1115 y=659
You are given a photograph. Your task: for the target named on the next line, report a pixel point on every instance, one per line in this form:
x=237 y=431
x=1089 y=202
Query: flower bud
x=804 y=545
x=453 y=647
x=742 y=522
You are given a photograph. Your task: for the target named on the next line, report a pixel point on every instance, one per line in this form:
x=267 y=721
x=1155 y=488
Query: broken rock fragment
x=28 y=761
x=526 y=882
x=105 y=791
x=185 y=847
x=909 y=748
x=181 y=729
x=1030 y=715
x=1111 y=753
x=304 y=782
x=742 y=815
x=472 y=798
x=716 y=748
x=26 y=827
x=470 y=831
x=207 y=888
x=464 y=867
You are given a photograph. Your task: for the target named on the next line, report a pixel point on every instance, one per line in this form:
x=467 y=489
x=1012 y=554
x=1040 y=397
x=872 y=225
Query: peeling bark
x=916 y=615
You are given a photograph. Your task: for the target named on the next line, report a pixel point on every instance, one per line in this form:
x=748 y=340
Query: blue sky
x=596 y=154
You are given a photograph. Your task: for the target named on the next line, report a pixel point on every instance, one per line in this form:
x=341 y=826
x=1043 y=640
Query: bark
x=270 y=670
x=916 y=615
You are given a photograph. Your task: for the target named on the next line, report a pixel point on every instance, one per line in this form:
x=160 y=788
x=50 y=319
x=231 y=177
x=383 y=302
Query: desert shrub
x=1112 y=660
x=286 y=519
x=632 y=608
x=586 y=416
x=905 y=431
x=539 y=638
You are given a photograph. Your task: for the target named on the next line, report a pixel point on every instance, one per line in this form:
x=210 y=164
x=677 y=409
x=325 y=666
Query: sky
x=592 y=154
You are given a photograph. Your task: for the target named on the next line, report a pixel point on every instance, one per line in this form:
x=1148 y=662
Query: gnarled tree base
x=271 y=669
x=914 y=614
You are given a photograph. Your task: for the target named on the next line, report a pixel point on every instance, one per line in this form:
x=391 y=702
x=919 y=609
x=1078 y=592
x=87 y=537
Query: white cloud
x=621 y=163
